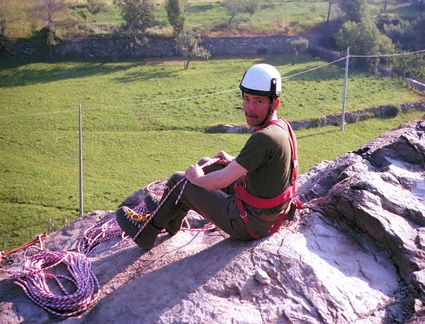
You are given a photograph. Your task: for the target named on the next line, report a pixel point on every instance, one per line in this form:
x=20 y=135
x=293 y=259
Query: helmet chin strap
x=268 y=114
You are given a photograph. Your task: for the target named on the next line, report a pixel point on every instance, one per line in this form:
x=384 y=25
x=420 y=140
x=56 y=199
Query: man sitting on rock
x=248 y=196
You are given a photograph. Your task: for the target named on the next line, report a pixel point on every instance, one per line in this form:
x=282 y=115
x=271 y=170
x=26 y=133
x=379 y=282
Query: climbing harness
x=243 y=196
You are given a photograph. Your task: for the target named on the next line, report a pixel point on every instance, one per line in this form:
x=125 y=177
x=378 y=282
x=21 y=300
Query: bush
x=411 y=66
x=5 y=46
x=391 y=111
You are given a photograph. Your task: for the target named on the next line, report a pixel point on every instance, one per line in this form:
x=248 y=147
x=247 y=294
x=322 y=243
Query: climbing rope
x=153 y=187
x=97 y=234
x=141 y=213
x=79 y=288
x=68 y=292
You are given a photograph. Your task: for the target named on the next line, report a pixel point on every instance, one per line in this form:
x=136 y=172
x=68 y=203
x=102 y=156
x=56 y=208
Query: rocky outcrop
x=354 y=254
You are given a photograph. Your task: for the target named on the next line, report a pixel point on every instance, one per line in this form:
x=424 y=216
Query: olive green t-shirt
x=267 y=156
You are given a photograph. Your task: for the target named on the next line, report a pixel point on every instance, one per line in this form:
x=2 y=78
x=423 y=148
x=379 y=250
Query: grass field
x=144 y=119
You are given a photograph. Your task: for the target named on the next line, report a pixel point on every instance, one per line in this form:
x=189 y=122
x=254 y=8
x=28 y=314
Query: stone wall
x=416 y=84
x=164 y=46
x=355 y=116
x=329 y=120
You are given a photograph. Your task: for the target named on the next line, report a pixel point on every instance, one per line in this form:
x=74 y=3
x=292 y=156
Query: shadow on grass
x=19 y=72
x=316 y=133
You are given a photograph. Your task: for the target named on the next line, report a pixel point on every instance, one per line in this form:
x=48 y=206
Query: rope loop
x=97 y=234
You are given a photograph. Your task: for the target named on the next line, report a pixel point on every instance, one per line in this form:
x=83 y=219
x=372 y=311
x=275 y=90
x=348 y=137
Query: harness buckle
x=245 y=215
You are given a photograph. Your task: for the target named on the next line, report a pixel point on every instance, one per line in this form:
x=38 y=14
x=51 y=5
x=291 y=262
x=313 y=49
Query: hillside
x=101 y=17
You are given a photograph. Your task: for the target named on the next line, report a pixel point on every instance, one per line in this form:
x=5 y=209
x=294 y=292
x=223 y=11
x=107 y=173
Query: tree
x=138 y=14
x=233 y=7
x=50 y=11
x=418 y=30
x=251 y=7
x=4 y=7
x=5 y=42
x=189 y=43
x=3 y=16
x=175 y=12
x=364 y=38
x=297 y=45
x=384 y=6
x=408 y=35
x=49 y=38
x=354 y=10
x=330 y=4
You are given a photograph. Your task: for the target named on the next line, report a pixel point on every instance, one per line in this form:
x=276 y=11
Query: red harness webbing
x=284 y=197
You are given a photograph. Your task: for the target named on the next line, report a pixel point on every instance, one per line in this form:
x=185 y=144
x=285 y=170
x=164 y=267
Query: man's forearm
x=215 y=180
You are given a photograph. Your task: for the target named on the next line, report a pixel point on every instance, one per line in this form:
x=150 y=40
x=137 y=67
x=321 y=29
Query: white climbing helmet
x=262 y=80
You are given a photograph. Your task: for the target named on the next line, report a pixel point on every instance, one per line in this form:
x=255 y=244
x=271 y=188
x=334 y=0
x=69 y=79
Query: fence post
x=80 y=133
x=344 y=97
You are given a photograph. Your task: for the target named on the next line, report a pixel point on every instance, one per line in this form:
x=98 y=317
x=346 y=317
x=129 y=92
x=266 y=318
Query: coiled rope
x=78 y=290
x=68 y=292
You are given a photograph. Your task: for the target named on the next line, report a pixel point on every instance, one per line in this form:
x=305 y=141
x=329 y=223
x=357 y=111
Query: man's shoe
x=173 y=226
x=131 y=222
x=152 y=202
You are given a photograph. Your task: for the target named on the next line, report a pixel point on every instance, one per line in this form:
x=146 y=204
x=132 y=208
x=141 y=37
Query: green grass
x=137 y=130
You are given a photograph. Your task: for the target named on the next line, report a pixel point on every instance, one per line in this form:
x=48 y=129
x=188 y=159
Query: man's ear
x=276 y=103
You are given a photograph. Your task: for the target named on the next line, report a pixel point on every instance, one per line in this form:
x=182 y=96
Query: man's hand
x=215 y=180
x=193 y=172
x=225 y=158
